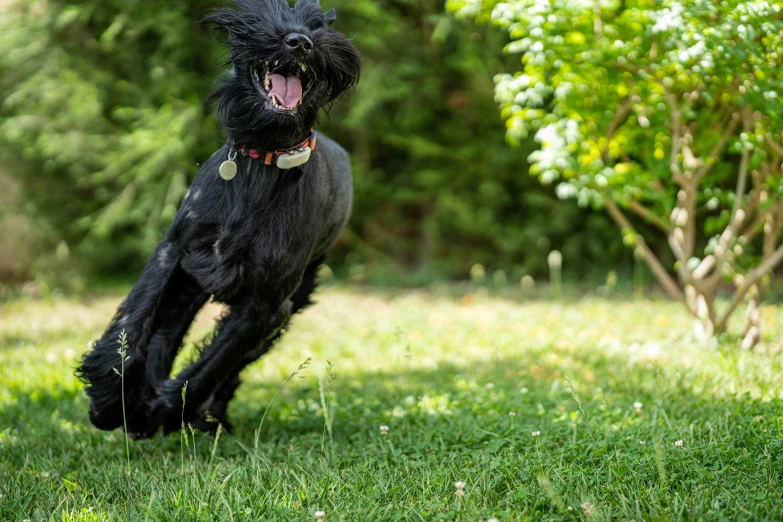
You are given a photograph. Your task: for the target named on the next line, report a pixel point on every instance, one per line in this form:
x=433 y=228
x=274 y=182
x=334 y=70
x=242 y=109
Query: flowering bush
x=666 y=110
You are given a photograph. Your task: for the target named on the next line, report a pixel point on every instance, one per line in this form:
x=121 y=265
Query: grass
x=462 y=382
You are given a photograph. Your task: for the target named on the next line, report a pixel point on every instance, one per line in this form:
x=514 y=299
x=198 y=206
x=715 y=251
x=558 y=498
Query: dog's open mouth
x=283 y=86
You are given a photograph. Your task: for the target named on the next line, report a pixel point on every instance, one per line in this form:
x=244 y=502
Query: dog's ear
x=330 y=16
x=224 y=20
x=241 y=20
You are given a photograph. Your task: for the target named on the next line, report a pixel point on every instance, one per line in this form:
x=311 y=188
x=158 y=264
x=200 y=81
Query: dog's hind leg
x=139 y=317
x=217 y=406
x=239 y=332
x=166 y=343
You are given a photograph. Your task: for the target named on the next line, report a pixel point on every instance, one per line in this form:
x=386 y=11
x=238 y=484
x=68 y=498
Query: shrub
x=668 y=111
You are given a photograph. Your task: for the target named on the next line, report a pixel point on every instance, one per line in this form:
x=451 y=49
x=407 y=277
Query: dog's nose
x=299 y=43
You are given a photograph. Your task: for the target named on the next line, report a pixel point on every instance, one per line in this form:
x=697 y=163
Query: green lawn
x=462 y=381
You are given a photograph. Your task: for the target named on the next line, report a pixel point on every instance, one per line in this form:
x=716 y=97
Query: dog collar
x=284 y=159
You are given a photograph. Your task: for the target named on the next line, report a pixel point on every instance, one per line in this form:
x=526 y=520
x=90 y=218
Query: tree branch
x=750 y=233
x=712 y=159
x=674 y=164
x=666 y=281
x=691 y=190
x=620 y=115
x=648 y=216
x=774 y=145
x=742 y=185
x=597 y=23
x=732 y=229
x=751 y=279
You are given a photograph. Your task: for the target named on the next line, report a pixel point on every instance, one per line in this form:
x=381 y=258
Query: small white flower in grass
x=493 y=519
x=679 y=443
x=637 y=406
x=512 y=414
x=641 y=442
x=587 y=508
x=460 y=488
x=536 y=433
x=319 y=515
x=570 y=508
x=384 y=430
x=490 y=385
x=51 y=358
x=523 y=390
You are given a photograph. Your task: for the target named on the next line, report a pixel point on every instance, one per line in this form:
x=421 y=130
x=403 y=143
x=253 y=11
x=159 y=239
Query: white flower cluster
x=522 y=90
x=756 y=9
x=668 y=19
x=534 y=12
x=470 y=8
x=554 y=156
x=694 y=52
x=563 y=89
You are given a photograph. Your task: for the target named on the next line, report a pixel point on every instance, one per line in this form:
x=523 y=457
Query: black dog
x=251 y=232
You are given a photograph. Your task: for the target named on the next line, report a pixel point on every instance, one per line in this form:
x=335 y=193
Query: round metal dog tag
x=228 y=169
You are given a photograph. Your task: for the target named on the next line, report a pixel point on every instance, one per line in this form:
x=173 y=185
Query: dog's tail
x=102 y=369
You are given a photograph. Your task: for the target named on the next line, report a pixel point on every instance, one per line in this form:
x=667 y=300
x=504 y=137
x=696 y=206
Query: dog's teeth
x=276 y=62
x=303 y=66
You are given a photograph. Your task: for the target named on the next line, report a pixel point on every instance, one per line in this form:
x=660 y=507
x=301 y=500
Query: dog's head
x=286 y=64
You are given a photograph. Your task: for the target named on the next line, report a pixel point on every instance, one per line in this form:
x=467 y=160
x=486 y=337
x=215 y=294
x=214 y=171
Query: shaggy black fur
x=254 y=243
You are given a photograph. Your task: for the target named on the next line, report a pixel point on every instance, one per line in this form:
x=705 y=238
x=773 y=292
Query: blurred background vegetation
x=103 y=126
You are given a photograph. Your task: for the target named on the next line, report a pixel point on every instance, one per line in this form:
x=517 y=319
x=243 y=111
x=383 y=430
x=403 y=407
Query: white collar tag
x=294 y=158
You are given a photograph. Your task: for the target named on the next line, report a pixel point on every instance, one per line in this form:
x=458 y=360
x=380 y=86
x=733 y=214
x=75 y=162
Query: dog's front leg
x=240 y=331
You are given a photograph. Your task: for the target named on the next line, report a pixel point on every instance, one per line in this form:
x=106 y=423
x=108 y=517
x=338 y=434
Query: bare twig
x=597 y=23
x=686 y=275
x=718 y=149
x=674 y=162
x=774 y=145
x=691 y=190
x=666 y=280
x=742 y=185
x=704 y=267
x=750 y=232
x=658 y=186
x=648 y=216
x=735 y=224
x=751 y=279
x=620 y=116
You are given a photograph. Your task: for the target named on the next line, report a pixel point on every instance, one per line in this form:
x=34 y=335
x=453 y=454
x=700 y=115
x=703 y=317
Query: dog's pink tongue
x=288 y=91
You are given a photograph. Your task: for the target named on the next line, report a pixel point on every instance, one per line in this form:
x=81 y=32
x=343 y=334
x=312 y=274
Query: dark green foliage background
x=103 y=126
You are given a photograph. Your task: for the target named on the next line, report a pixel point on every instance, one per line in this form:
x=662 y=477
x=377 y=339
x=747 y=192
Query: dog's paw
x=106 y=417
x=162 y=413
x=137 y=425
x=138 y=435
